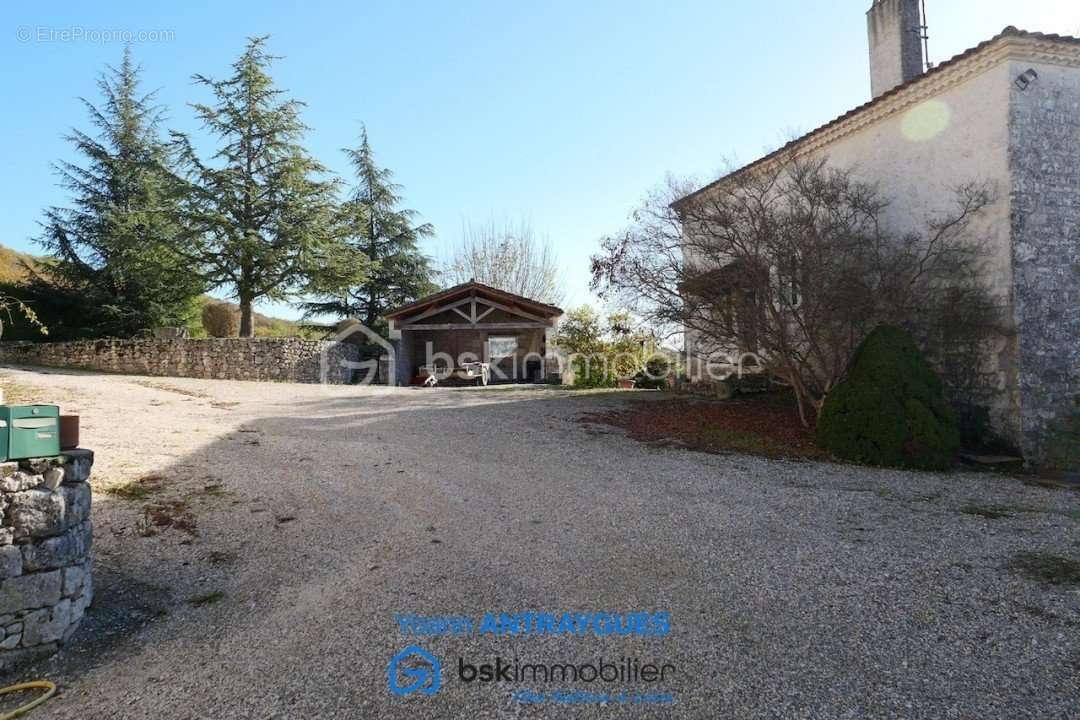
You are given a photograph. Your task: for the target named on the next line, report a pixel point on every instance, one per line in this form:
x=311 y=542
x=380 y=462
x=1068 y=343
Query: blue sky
x=562 y=112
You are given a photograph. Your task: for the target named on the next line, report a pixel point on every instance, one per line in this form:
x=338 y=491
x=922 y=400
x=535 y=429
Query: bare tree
x=508 y=256
x=790 y=262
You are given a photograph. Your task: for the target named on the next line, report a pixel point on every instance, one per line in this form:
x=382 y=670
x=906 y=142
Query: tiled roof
x=473 y=287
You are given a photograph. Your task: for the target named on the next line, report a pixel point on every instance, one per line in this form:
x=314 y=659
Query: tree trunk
x=247 y=326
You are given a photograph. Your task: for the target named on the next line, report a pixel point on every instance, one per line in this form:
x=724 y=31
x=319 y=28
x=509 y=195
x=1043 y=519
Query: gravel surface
x=796 y=590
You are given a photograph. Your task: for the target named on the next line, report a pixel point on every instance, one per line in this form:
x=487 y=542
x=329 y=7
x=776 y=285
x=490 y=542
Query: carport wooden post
x=403 y=350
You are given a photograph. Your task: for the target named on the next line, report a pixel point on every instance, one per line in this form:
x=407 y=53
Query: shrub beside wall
x=890 y=409
x=221 y=320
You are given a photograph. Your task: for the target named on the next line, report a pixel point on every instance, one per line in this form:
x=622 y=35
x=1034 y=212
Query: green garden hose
x=48 y=687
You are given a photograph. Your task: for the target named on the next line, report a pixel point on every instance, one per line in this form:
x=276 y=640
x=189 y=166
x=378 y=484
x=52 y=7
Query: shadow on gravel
x=153 y=574
x=123 y=605
x=328 y=505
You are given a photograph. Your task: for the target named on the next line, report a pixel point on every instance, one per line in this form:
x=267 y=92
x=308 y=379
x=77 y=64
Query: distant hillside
x=266 y=326
x=12 y=271
x=11 y=268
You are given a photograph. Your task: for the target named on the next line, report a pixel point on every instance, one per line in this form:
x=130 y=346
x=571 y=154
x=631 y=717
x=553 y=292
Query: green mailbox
x=29 y=431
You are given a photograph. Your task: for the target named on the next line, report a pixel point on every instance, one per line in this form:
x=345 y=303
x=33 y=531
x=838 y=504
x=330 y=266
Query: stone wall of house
x=273 y=359
x=1044 y=159
x=45 y=566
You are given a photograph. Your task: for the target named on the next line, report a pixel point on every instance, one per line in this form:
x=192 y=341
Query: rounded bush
x=890 y=409
x=221 y=319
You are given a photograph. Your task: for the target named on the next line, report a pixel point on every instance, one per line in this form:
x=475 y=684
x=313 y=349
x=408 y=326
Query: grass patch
x=174 y=514
x=136 y=489
x=16 y=394
x=1047 y=567
x=170 y=388
x=208 y=598
x=214 y=489
x=990 y=512
x=994 y=512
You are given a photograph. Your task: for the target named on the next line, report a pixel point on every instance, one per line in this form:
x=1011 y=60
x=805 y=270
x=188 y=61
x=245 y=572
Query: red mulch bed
x=766 y=424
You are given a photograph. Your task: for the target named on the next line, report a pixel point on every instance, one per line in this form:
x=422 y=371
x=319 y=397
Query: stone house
x=1007 y=113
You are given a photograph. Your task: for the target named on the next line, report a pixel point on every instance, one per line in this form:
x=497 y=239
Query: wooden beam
x=436 y=309
x=511 y=310
x=478 y=326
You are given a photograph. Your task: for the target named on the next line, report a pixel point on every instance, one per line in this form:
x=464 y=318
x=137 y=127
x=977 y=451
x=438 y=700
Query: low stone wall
x=274 y=359
x=45 y=565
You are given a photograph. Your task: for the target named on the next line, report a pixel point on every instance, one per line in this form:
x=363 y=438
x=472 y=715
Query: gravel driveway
x=795 y=590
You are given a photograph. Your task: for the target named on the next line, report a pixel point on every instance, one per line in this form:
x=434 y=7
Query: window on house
x=501 y=347
x=786 y=282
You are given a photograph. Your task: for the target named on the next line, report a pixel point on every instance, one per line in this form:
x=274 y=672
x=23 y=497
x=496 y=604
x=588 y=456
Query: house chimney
x=896 y=31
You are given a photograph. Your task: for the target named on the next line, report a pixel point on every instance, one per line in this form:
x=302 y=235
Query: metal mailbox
x=29 y=431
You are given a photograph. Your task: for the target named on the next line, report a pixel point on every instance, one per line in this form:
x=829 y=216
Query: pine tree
x=117 y=268
x=378 y=230
x=259 y=211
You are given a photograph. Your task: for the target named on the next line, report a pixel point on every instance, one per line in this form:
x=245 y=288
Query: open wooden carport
x=469 y=324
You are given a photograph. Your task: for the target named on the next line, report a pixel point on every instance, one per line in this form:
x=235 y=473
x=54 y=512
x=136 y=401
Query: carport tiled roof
x=479 y=289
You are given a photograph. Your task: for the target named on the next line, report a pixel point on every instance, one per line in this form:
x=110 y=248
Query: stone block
x=20 y=480
x=46 y=625
x=79 y=604
x=30 y=591
x=72 y=580
x=58 y=552
x=11 y=641
x=77 y=465
x=77 y=502
x=11 y=564
x=37 y=513
x=53 y=477
x=38 y=466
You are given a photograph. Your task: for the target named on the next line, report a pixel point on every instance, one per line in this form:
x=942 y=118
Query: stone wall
x=1044 y=159
x=275 y=359
x=45 y=565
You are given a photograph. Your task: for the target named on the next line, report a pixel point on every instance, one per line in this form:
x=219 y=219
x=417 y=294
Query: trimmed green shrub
x=890 y=409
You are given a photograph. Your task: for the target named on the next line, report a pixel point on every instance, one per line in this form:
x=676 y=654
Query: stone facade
x=1044 y=164
x=45 y=565
x=273 y=359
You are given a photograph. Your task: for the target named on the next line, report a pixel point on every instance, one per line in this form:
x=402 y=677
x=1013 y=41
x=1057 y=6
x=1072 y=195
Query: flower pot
x=626 y=384
x=69 y=432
